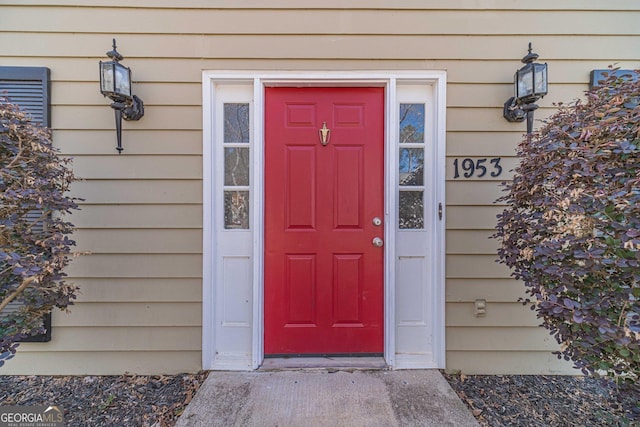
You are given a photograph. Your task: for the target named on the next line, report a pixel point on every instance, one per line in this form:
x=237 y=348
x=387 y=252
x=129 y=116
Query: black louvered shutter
x=28 y=87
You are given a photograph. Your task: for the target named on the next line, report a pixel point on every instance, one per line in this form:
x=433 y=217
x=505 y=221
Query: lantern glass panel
x=123 y=80
x=525 y=82
x=540 y=79
x=106 y=77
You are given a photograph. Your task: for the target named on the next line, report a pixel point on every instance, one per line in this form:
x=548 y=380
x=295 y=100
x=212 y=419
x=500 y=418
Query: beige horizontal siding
x=471 y=242
x=98 y=117
x=129 y=216
x=139 y=191
x=315 y=21
x=494 y=290
x=349 y=4
x=142 y=289
x=465 y=144
x=475 y=266
x=268 y=46
x=472 y=192
x=135 y=142
x=508 y=362
x=465 y=119
x=104 y=362
x=130 y=338
x=500 y=339
x=138 y=167
x=155 y=314
x=472 y=217
x=141 y=217
x=137 y=265
x=139 y=241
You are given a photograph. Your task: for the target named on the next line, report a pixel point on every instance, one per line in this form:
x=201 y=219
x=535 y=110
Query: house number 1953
x=477 y=168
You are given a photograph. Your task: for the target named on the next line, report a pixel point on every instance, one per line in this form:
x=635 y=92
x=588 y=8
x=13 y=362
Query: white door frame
x=258 y=80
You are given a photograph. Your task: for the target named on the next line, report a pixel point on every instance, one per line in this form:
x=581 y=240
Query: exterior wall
x=140 y=306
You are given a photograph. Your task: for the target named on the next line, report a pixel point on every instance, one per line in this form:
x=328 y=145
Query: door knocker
x=325 y=134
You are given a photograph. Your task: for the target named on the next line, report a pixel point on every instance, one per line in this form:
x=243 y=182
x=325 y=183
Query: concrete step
x=326 y=397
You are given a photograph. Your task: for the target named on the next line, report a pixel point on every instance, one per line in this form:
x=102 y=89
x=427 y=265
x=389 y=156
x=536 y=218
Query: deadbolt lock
x=377 y=222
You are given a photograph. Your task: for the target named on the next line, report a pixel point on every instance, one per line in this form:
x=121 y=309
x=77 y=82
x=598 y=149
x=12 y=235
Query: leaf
x=577 y=317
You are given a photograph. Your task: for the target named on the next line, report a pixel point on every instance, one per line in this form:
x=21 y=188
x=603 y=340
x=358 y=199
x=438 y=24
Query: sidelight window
x=236 y=165
x=411 y=166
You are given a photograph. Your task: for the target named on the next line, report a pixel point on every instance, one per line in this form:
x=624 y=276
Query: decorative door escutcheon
x=325 y=134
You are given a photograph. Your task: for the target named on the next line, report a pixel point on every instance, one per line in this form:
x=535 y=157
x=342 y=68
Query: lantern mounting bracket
x=512 y=111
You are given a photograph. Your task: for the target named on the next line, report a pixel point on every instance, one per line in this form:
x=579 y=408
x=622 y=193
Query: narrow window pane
x=411 y=166
x=236 y=209
x=411 y=123
x=107 y=78
x=411 y=210
x=236 y=122
x=236 y=166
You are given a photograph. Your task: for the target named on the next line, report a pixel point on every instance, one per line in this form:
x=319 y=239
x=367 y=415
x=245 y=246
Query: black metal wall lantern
x=115 y=83
x=530 y=84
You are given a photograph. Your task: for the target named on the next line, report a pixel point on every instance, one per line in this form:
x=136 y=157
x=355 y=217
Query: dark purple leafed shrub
x=571 y=229
x=34 y=247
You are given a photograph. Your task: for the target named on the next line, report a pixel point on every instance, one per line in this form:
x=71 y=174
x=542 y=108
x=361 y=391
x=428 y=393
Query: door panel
x=299 y=299
x=300 y=187
x=347 y=290
x=323 y=276
x=348 y=186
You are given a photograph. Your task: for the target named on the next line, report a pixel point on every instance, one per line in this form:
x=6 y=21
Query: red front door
x=323 y=275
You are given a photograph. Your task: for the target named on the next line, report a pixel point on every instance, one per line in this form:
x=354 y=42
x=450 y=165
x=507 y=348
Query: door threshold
x=325 y=362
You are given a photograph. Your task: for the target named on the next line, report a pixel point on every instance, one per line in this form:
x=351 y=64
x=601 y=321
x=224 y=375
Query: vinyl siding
x=140 y=306
x=104 y=362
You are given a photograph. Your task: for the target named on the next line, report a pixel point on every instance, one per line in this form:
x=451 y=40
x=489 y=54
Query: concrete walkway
x=326 y=397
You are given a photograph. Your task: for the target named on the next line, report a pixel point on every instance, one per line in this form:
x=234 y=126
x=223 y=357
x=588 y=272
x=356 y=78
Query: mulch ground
x=123 y=400
x=157 y=401
x=539 y=400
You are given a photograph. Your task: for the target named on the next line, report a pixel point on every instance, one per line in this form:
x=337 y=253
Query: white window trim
x=261 y=79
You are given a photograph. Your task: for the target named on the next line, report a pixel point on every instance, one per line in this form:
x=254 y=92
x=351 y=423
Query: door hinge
x=440 y=211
